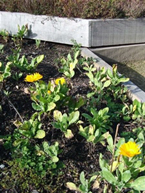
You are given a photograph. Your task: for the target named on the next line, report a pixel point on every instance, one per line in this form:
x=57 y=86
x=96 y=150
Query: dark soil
x=77 y=154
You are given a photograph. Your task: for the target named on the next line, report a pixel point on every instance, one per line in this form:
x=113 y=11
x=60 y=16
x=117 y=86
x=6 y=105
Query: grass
x=78 y=8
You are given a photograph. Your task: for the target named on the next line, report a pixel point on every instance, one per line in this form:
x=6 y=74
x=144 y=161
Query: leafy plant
x=5 y=71
x=22 y=63
x=1 y=48
x=63 y=121
x=85 y=185
x=5 y=35
x=45 y=96
x=98 y=126
x=134 y=111
x=98 y=80
x=116 y=79
x=18 y=38
x=123 y=171
x=68 y=64
x=27 y=151
x=37 y=43
x=17 y=76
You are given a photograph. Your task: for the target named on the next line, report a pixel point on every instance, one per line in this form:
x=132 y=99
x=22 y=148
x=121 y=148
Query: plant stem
x=115 y=139
x=14 y=107
x=15 y=110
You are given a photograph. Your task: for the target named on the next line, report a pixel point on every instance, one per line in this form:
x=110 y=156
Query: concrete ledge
x=47 y=28
x=118 y=31
x=121 y=54
x=88 y=32
x=134 y=92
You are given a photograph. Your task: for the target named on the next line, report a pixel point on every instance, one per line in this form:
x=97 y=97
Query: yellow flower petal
x=129 y=149
x=48 y=91
x=33 y=77
x=60 y=81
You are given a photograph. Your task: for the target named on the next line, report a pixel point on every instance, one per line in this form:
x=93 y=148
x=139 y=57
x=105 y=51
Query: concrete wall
x=121 y=54
x=53 y=29
x=88 y=32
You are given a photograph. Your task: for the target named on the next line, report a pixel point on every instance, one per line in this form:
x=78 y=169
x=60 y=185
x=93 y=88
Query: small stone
x=2 y=166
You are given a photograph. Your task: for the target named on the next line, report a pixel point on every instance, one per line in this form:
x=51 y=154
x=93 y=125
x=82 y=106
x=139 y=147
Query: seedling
x=18 y=38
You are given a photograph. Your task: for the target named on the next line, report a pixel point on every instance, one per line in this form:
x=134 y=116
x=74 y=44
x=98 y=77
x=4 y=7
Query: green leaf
x=46 y=147
x=126 y=176
x=56 y=98
x=71 y=186
x=55 y=159
x=82 y=178
x=107 y=83
x=109 y=176
x=17 y=142
x=80 y=103
x=138 y=184
x=51 y=106
x=123 y=80
x=68 y=134
x=114 y=166
x=40 y=58
x=57 y=115
x=40 y=134
x=36 y=107
x=73 y=117
x=110 y=143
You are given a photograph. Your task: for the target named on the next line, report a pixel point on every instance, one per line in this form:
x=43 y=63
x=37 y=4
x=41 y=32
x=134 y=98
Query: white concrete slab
x=53 y=29
x=88 y=32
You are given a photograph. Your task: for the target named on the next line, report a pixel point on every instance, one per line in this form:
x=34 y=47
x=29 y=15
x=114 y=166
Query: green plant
x=98 y=80
x=99 y=118
x=98 y=126
x=85 y=185
x=5 y=71
x=5 y=35
x=125 y=166
x=69 y=64
x=1 y=48
x=116 y=79
x=23 y=179
x=22 y=32
x=17 y=76
x=28 y=151
x=22 y=63
x=46 y=96
x=134 y=111
x=63 y=121
x=37 y=42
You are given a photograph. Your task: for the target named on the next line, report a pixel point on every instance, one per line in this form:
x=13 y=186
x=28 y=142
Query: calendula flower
x=60 y=81
x=33 y=77
x=129 y=149
x=48 y=91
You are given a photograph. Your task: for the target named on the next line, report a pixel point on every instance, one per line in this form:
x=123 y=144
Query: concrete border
x=47 y=28
x=121 y=54
x=134 y=92
x=88 y=32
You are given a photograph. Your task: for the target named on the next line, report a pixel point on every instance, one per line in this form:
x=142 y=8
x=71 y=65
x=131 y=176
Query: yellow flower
x=129 y=149
x=48 y=91
x=33 y=77
x=60 y=81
